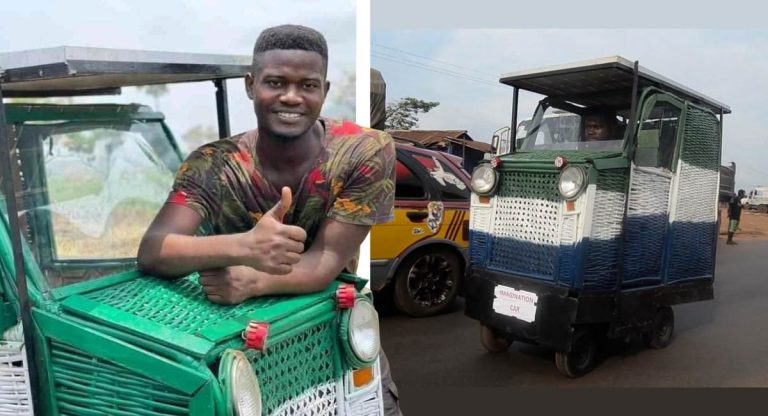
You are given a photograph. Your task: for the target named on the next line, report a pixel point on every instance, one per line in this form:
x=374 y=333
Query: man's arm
x=335 y=244
x=170 y=249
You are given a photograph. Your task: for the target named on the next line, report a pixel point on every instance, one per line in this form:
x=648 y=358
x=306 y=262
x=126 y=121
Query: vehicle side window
x=449 y=182
x=657 y=137
x=407 y=184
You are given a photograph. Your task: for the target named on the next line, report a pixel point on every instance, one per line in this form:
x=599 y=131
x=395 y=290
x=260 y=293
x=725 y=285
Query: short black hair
x=604 y=113
x=287 y=37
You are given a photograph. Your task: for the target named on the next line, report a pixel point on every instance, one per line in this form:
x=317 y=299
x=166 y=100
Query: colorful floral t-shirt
x=352 y=181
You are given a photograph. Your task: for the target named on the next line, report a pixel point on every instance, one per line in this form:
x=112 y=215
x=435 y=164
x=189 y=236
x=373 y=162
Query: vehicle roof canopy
x=70 y=71
x=602 y=82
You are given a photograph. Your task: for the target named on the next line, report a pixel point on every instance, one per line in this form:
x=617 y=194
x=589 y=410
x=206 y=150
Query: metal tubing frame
x=222 y=107
x=513 y=127
x=7 y=164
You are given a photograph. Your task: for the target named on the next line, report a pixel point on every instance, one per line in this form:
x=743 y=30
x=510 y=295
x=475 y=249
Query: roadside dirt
x=753 y=226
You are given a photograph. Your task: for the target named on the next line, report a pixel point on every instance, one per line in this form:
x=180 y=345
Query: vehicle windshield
x=565 y=126
x=89 y=191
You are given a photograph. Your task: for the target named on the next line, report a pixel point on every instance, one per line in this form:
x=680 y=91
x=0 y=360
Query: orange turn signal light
x=570 y=206
x=484 y=199
x=362 y=376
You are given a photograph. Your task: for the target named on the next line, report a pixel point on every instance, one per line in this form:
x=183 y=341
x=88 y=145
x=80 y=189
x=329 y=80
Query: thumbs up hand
x=271 y=246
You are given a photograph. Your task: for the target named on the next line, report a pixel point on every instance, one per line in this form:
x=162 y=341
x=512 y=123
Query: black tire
x=427 y=282
x=663 y=328
x=763 y=209
x=582 y=357
x=492 y=341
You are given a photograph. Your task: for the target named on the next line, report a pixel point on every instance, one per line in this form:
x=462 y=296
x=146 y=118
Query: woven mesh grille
x=694 y=227
x=526 y=228
x=602 y=260
x=297 y=375
x=85 y=385
x=479 y=218
x=179 y=304
x=369 y=407
x=567 y=269
x=647 y=221
x=14 y=380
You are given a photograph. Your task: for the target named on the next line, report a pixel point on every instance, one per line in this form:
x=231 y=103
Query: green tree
x=342 y=97
x=155 y=91
x=200 y=135
x=403 y=114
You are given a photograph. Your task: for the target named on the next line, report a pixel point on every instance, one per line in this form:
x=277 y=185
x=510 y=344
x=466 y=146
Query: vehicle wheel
x=491 y=341
x=763 y=209
x=663 y=327
x=582 y=356
x=427 y=282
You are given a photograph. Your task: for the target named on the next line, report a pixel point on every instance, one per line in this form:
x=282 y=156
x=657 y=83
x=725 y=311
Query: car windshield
x=565 y=126
x=89 y=191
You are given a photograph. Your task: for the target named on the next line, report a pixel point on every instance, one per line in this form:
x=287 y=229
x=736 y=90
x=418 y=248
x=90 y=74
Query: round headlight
x=363 y=331
x=572 y=180
x=483 y=179
x=245 y=393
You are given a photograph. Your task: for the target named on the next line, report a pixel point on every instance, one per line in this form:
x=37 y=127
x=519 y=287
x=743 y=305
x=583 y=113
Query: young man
x=285 y=207
x=599 y=125
x=734 y=215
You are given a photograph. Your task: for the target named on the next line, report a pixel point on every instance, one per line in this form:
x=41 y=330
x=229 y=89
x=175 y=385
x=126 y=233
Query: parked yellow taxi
x=420 y=256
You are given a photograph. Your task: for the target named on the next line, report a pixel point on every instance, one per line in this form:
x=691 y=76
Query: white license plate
x=516 y=303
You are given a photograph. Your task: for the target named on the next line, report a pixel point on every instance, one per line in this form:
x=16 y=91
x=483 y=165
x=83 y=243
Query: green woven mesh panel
x=179 y=304
x=296 y=366
x=85 y=385
x=701 y=146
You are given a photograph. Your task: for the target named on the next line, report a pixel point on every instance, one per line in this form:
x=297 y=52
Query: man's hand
x=230 y=285
x=271 y=246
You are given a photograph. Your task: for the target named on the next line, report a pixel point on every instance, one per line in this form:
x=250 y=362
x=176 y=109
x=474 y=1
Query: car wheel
x=581 y=358
x=492 y=341
x=663 y=327
x=762 y=209
x=427 y=282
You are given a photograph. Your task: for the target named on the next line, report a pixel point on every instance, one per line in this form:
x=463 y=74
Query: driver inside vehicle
x=600 y=124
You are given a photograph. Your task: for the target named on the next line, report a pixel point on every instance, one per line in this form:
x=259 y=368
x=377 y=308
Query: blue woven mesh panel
x=646 y=226
x=603 y=248
x=478 y=247
x=694 y=227
x=85 y=385
x=526 y=229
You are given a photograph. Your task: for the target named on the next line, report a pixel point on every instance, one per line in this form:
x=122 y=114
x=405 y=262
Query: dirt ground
x=753 y=226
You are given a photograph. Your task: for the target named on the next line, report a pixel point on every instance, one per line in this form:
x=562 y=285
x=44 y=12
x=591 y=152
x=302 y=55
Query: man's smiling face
x=288 y=88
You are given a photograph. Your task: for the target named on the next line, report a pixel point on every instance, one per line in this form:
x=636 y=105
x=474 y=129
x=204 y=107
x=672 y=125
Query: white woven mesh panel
x=534 y=220
x=479 y=218
x=607 y=215
x=14 y=380
x=320 y=401
x=366 y=406
x=568 y=233
x=648 y=194
x=696 y=194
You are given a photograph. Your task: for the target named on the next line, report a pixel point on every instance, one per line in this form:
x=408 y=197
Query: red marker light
x=560 y=162
x=255 y=335
x=345 y=296
x=496 y=162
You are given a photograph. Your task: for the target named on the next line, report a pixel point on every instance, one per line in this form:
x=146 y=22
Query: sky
x=460 y=69
x=197 y=26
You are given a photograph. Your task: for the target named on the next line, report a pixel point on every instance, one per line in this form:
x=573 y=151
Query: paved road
x=723 y=342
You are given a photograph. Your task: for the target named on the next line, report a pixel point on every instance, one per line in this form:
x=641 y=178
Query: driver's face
x=595 y=128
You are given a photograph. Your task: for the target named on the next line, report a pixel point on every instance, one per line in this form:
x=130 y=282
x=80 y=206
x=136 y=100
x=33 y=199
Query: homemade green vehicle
x=85 y=333
x=574 y=240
